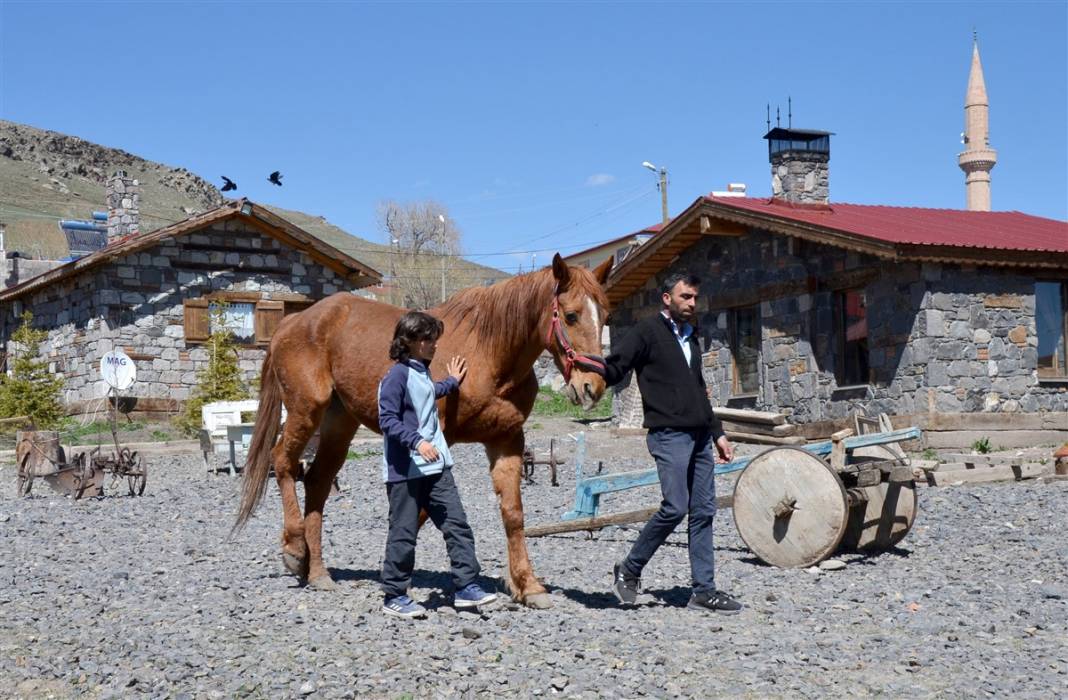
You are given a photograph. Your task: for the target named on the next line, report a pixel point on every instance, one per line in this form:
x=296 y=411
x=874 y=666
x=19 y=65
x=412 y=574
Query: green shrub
x=219 y=380
x=981 y=446
x=30 y=390
x=74 y=431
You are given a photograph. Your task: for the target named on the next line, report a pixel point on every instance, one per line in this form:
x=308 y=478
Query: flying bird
x=228 y=184
x=275 y=178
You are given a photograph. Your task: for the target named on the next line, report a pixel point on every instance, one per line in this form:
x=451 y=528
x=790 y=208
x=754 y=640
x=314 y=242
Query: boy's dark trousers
x=438 y=495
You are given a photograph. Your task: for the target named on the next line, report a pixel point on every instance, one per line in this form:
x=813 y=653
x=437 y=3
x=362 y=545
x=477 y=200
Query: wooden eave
x=268 y=223
x=709 y=218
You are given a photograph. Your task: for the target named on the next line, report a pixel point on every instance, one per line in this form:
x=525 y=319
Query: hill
x=46 y=176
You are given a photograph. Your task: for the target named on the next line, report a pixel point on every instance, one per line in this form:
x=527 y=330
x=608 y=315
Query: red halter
x=591 y=363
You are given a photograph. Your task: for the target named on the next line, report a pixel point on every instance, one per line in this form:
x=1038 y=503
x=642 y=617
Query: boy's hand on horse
x=457 y=368
x=428 y=451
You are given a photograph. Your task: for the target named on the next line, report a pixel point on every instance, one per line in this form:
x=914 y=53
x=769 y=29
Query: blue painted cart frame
x=589 y=489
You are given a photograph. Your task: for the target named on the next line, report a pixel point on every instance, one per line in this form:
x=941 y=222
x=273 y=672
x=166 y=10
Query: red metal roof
x=999 y=230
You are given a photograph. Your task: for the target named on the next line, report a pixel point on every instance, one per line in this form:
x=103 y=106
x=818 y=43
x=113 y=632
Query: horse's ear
x=602 y=270
x=561 y=272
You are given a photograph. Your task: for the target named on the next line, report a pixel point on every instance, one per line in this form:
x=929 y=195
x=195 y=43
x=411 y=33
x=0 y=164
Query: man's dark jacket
x=673 y=394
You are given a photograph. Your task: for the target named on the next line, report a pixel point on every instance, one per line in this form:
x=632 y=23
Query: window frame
x=267 y=314
x=840 y=341
x=734 y=344
x=1055 y=373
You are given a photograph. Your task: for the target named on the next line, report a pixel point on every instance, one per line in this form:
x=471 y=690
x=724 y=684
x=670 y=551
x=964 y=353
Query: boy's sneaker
x=471 y=596
x=625 y=586
x=403 y=606
x=715 y=601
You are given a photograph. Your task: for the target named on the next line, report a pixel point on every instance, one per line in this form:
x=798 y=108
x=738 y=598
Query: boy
x=417 y=467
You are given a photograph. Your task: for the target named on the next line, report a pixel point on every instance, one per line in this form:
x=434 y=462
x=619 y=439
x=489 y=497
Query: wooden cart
x=793 y=506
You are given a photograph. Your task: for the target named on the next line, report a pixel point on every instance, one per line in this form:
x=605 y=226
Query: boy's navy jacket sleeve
x=628 y=353
x=391 y=395
x=445 y=386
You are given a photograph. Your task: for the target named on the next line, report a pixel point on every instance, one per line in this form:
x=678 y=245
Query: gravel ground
x=147 y=597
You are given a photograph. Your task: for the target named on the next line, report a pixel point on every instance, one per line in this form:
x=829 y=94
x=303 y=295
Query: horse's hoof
x=323 y=583
x=294 y=564
x=538 y=601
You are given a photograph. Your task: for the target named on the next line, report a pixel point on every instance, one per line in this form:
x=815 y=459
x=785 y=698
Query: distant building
x=618 y=249
x=150 y=294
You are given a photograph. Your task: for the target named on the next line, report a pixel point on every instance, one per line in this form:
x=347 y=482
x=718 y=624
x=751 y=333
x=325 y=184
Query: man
x=664 y=353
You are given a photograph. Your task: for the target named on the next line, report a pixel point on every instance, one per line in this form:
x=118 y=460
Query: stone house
x=952 y=320
x=151 y=293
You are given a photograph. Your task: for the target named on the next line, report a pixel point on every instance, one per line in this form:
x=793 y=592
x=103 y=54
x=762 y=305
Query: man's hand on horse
x=725 y=449
x=428 y=451
x=457 y=367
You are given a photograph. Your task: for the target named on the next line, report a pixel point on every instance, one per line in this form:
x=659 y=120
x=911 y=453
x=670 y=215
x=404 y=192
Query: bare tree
x=424 y=250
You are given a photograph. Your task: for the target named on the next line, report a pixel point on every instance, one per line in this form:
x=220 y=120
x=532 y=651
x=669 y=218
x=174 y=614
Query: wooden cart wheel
x=790 y=507
x=884 y=519
x=137 y=478
x=24 y=480
x=83 y=475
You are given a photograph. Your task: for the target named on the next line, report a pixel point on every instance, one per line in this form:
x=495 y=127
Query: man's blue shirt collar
x=681 y=333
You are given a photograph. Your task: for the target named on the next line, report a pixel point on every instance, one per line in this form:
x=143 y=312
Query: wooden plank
x=197 y=324
x=784 y=430
x=744 y=416
x=602 y=521
x=984 y=460
x=944 y=477
x=755 y=439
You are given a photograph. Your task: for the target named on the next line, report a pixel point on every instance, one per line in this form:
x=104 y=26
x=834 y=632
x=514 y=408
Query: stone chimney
x=800 y=173
x=124 y=206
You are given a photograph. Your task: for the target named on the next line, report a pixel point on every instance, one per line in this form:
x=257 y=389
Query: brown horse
x=325 y=364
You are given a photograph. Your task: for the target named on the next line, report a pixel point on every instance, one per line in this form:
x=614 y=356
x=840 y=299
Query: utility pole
x=441 y=218
x=662 y=185
x=663 y=193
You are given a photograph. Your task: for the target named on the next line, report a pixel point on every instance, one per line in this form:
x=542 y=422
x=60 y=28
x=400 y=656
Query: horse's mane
x=502 y=315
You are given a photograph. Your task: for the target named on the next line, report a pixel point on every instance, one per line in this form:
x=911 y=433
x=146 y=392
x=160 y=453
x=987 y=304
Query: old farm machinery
x=39 y=454
x=793 y=506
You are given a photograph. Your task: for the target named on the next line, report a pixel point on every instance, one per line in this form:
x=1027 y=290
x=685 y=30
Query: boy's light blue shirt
x=408 y=415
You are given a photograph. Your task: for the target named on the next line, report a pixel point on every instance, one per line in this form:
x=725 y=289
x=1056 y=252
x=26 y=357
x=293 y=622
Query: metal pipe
x=100 y=216
x=76 y=225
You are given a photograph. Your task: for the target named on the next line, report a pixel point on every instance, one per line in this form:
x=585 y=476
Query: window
x=252 y=320
x=851 y=327
x=239 y=317
x=745 y=349
x=1051 y=321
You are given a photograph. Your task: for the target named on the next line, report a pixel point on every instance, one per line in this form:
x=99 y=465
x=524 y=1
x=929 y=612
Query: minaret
x=978 y=157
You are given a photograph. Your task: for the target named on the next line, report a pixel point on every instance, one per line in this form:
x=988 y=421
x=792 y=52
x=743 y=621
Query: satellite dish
x=117 y=370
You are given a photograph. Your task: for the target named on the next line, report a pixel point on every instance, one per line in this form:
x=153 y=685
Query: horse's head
x=580 y=309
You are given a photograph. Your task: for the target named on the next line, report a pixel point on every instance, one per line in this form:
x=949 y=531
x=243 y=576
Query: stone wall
x=800 y=178
x=136 y=302
x=942 y=338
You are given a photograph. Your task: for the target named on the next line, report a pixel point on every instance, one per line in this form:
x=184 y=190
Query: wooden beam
x=602 y=521
x=754 y=439
x=739 y=415
x=979 y=475
x=719 y=227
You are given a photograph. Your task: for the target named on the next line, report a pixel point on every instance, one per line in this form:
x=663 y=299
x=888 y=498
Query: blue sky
x=530 y=121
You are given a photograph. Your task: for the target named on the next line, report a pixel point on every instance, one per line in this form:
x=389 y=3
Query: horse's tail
x=258 y=466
